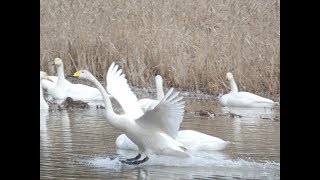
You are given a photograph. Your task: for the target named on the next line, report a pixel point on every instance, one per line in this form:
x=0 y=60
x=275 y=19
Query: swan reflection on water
x=251 y=113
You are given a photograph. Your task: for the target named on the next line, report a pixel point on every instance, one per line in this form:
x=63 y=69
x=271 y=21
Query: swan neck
x=159 y=88
x=111 y=116
x=60 y=72
x=233 y=86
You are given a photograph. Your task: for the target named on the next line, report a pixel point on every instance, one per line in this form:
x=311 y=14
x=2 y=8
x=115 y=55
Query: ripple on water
x=70 y=139
x=200 y=161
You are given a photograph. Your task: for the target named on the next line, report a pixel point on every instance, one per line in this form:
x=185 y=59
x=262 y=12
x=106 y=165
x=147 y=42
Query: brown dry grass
x=191 y=43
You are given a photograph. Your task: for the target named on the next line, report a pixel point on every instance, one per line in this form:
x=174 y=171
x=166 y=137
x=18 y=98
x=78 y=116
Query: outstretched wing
x=166 y=116
x=118 y=87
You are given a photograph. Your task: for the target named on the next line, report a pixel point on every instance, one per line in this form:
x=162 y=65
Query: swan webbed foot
x=135 y=158
x=136 y=162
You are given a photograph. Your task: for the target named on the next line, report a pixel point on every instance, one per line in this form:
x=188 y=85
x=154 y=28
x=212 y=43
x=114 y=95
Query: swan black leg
x=135 y=158
x=136 y=162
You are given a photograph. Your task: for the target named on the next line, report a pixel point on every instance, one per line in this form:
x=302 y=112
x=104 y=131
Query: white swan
x=49 y=85
x=43 y=103
x=153 y=131
x=191 y=139
x=46 y=84
x=77 y=92
x=243 y=99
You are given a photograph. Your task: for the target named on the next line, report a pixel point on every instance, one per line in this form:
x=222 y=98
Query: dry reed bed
x=191 y=43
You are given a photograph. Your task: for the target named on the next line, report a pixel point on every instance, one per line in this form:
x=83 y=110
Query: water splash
x=199 y=160
x=105 y=162
x=163 y=168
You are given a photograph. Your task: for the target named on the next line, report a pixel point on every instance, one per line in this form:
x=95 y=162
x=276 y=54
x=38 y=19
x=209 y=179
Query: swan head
x=86 y=75
x=229 y=76
x=83 y=74
x=57 y=61
x=44 y=75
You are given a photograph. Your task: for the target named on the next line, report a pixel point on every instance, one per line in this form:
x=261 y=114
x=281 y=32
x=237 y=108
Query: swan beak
x=49 y=79
x=55 y=61
x=76 y=74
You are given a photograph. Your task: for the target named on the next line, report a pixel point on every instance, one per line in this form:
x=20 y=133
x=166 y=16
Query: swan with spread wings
x=153 y=131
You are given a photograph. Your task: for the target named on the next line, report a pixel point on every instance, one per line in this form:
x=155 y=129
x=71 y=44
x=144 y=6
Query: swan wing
x=117 y=86
x=166 y=116
x=148 y=104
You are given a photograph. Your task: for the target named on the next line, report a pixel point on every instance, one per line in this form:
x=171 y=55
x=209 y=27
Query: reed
x=191 y=43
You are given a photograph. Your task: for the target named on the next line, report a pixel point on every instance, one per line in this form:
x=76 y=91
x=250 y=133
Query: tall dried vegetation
x=191 y=43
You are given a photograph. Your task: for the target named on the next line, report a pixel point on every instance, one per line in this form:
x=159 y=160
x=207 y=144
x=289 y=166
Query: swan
x=55 y=92
x=43 y=103
x=243 y=99
x=191 y=139
x=46 y=84
x=49 y=85
x=153 y=131
x=77 y=92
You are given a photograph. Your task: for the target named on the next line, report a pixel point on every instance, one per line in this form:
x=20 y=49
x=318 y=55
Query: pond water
x=78 y=143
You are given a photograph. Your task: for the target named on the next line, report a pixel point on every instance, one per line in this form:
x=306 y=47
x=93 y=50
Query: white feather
x=167 y=115
x=118 y=87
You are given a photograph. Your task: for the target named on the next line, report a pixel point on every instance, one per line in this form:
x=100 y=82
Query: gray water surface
x=77 y=144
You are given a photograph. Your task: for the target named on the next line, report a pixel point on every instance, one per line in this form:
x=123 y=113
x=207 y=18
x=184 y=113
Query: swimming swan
x=191 y=139
x=46 y=84
x=78 y=92
x=43 y=103
x=50 y=85
x=243 y=99
x=153 y=131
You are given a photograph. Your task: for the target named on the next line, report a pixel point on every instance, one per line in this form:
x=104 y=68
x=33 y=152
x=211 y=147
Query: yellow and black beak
x=76 y=74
